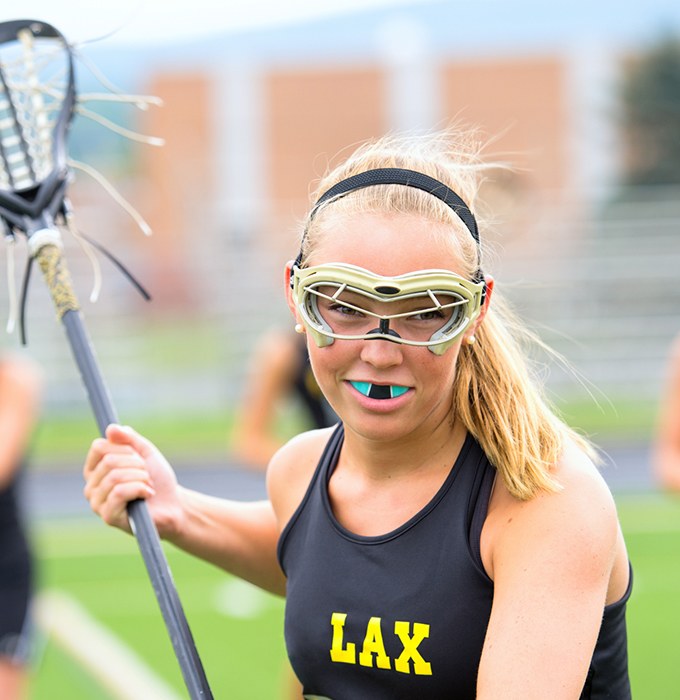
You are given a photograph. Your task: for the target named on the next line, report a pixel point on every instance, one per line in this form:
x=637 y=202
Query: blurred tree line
x=650 y=96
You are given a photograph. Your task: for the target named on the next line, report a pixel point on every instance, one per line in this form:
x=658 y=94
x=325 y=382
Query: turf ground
x=238 y=630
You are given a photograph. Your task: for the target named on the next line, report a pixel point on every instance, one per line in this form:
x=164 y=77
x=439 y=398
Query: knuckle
x=114 y=478
x=108 y=461
x=99 y=445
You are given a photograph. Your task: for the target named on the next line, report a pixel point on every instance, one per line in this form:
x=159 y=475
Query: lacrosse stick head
x=37 y=99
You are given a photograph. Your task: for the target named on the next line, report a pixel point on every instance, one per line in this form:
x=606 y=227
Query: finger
x=113 y=511
x=113 y=469
x=125 y=435
x=99 y=448
x=111 y=492
x=105 y=458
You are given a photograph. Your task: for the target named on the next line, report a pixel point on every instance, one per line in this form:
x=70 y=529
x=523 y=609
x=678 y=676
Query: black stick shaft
x=142 y=525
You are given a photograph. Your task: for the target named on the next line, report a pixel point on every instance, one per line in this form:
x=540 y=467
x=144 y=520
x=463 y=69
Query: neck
x=378 y=486
x=409 y=454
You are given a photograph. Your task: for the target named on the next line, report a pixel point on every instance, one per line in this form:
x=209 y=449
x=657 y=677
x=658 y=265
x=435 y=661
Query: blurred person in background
x=279 y=376
x=451 y=537
x=20 y=392
x=666 y=448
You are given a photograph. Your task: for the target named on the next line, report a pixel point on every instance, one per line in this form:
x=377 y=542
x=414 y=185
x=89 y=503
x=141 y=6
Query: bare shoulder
x=578 y=521
x=584 y=495
x=579 y=477
x=290 y=471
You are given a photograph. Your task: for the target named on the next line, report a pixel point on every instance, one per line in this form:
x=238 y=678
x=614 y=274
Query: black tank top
x=15 y=561
x=404 y=615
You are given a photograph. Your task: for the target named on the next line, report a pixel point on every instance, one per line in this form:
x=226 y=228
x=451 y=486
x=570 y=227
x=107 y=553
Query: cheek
x=332 y=362
x=326 y=360
x=327 y=364
x=441 y=368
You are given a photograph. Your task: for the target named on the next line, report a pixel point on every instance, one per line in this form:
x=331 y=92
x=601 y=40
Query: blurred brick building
x=251 y=122
x=245 y=140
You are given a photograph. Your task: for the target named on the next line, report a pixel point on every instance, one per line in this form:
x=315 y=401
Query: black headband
x=409 y=178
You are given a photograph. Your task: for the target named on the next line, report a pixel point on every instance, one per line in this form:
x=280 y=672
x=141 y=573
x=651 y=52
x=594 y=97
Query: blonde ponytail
x=503 y=406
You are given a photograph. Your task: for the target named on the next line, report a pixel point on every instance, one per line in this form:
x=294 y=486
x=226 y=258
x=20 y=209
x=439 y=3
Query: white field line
x=241 y=600
x=114 y=665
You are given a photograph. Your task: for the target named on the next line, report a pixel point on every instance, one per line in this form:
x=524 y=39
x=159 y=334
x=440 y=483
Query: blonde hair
x=496 y=395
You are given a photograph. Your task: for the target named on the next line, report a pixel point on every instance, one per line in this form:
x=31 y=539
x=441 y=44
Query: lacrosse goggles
x=427 y=308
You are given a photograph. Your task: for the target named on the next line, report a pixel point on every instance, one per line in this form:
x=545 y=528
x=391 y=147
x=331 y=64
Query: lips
x=379 y=391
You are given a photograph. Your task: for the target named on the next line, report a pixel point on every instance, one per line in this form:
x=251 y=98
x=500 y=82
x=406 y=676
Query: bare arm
x=269 y=381
x=20 y=390
x=552 y=560
x=666 y=452
x=238 y=537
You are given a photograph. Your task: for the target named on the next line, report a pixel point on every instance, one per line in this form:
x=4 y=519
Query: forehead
x=386 y=244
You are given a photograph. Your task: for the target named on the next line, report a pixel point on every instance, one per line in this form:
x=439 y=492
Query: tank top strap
x=329 y=457
x=478 y=507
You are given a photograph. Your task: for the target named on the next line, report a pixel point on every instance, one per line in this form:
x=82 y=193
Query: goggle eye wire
x=450 y=305
x=438 y=306
x=312 y=289
x=435 y=301
x=341 y=289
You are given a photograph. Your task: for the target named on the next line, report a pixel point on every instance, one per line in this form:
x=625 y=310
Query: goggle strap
x=477 y=278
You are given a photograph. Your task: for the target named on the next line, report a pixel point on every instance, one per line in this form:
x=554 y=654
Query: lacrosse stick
x=37 y=102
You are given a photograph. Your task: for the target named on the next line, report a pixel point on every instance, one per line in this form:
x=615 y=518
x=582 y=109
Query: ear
x=485 y=307
x=288 y=287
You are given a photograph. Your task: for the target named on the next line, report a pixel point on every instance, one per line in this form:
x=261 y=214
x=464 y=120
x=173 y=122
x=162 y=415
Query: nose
x=381 y=352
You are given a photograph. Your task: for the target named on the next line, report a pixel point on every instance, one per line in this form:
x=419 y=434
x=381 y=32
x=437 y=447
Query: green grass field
x=238 y=630
x=65 y=436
